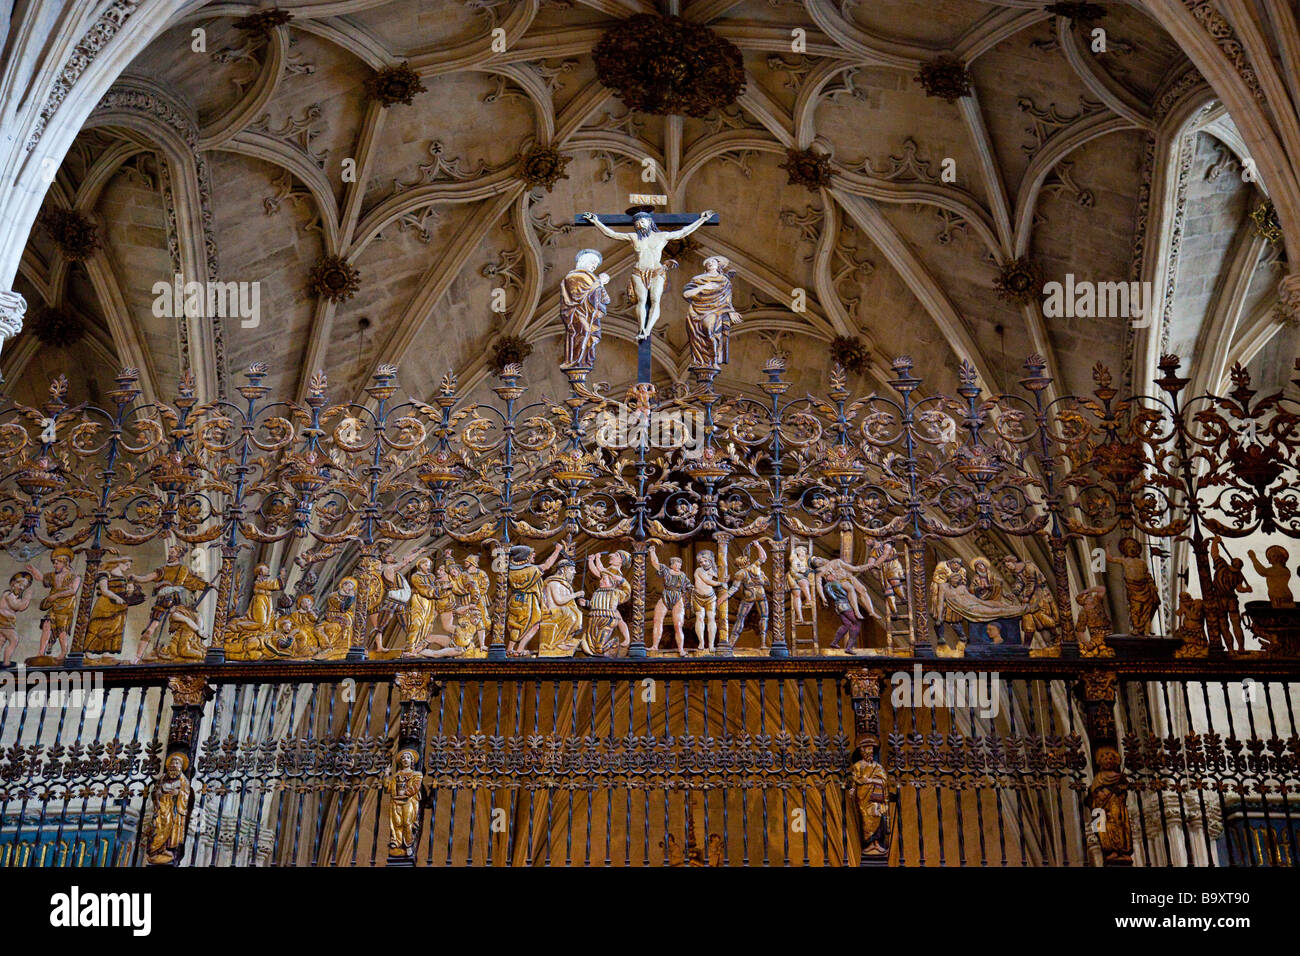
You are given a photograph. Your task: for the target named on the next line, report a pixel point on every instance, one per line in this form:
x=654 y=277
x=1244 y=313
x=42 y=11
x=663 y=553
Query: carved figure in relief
x=704 y=599
x=585 y=303
x=1139 y=585
x=12 y=603
x=1276 y=575
x=60 y=601
x=676 y=583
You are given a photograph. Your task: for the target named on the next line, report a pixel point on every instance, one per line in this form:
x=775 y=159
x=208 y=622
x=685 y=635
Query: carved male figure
x=171 y=808
x=176 y=585
x=750 y=580
x=13 y=602
x=704 y=599
x=1224 y=612
x=672 y=601
x=1140 y=586
x=650 y=274
x=60 y=603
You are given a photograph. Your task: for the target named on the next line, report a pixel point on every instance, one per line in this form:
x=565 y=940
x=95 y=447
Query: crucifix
x=650 y=273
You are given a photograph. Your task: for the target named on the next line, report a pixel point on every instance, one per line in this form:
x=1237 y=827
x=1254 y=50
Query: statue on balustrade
x=1223 y=613
x=404 y=788
x=585 y=302
x=175 y=585
x=1139 y=585
x=170 y=809
x=1109 y=794
x=868 y=793
x=524 y=611
x=710 y=315
x=676 y=584
x=115 y=593
x=1191 y=627
x=800 y=579
x=750 y=580
x=704 y=599
x=298 y=632
x=883 y=556
x=1276 y=575
x=60 y=601
x=431 y=614
x=1042 y=617
x=12 y=603
x=612 y=589
x=561 y=612
x=1093 y=626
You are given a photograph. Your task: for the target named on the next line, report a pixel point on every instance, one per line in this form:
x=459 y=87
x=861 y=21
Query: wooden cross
x=640 y=206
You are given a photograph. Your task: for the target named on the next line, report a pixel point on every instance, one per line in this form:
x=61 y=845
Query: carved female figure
x=403 y=789
x=107 y=625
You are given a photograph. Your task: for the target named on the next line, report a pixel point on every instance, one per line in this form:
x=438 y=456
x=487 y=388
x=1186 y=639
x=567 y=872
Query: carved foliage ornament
x=334 y=278
x=667 y=65
x=946 y=77
x=1266 y=222
x=1019 y=281
x=543 y=166
x=394 y=84
x=75 y=235
x=263 y=21
x=807 y=168
x=850 y=352
x=510 y=350
x=58 y=328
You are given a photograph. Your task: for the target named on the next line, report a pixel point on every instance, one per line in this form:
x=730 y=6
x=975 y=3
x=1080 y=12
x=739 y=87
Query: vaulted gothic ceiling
x=266 y=150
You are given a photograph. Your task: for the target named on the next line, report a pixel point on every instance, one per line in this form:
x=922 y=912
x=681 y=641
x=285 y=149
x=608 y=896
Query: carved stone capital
x=189 y=690
x=1099 y=686
x=1288 y=300
x=12 y=309
x=413 y=685
x=864 y=681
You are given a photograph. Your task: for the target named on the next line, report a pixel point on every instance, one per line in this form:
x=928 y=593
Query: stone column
x=12 y=308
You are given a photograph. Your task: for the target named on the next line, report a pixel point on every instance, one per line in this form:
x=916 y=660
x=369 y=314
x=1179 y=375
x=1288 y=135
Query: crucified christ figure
x=650 y=274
